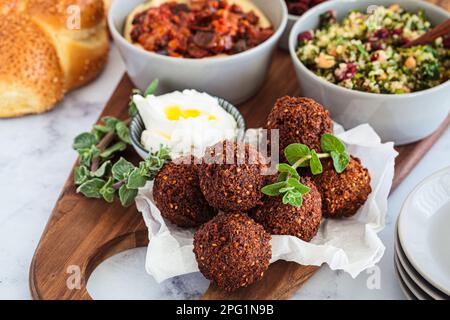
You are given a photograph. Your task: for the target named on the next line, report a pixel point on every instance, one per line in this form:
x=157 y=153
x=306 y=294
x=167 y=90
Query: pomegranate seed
x=305 y=36
x=346 y=71
x=446 y=42
x=397 y=31
x=376 y=45
x=382 y=33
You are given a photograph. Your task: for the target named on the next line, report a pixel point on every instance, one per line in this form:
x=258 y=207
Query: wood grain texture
x=81 y=232
x=442 y=3
x=438 y=31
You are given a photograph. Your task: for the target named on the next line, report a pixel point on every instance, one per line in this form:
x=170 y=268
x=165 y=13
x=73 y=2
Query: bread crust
x=31 y=77
x=79 y=53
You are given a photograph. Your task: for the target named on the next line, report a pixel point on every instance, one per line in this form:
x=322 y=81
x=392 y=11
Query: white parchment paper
x=351 y=245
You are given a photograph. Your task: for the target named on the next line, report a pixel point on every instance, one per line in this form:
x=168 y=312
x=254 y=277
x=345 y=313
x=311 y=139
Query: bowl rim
x=222 y=102
x=118 y=36
x=333 y=4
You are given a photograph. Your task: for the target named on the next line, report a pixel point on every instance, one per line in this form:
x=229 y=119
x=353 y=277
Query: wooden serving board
x=81 y=232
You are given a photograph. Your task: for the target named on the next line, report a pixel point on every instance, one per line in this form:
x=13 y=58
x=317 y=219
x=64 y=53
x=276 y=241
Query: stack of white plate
x=422 y=240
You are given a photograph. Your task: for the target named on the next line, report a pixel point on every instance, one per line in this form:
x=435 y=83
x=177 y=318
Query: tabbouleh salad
x=363 y=52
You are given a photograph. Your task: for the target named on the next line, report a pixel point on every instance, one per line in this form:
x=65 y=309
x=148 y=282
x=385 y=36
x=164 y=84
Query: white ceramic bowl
x=235 y=78
x=401 y=118
x=423 y=229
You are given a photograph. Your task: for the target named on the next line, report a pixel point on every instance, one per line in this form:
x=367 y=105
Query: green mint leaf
x=299 y=187
x=132 y=111
x=86 y=155
x=315 y=164
x=84 y=140
x=154 y=162
x=127 y=195
x=98 y=134
x=293 y=198
x=296 y=200
x=286 y=198
x=283 y=167
x=91 y=188
x=107 y=191
x=163 y=153
x=119 y=146
x=110 y=122
x=330 y=143
x=286 y=189
x=122 y=169
x=122 y=132
x=102 y=128
x=273 y=189
x=152 y=88
x=81 y=174
x=340 y=161
x=143 y=170
x=282 y=177
x=101 y=171
x=295 y=152
x=136 y=179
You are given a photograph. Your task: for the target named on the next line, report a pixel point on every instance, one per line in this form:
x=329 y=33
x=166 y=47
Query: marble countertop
x=35 y=160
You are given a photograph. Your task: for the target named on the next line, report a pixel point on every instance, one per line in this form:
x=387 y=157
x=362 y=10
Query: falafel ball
x=231 y=176
x=177 y=195
x=285 y=219
x=300 y=120
x=232 y=250
x=343 y=194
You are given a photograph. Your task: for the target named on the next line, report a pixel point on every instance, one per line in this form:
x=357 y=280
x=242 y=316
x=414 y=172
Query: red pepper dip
x=204 y=28
x=299 y=7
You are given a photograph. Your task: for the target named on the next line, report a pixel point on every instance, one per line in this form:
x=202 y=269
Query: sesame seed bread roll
x=31 y=76
x=48 y=47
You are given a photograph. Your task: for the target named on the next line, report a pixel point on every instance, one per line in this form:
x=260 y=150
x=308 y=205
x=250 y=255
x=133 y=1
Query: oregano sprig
x=298 y=155
x=97 y=176
x=122 y=177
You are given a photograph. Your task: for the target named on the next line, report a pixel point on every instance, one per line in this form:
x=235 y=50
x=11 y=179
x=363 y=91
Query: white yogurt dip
x=187 y=122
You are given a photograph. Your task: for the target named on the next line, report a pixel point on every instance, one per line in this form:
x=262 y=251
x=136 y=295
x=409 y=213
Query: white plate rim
x=412 y=286
x=421 y=282
x=408 y=294
x=402 y=237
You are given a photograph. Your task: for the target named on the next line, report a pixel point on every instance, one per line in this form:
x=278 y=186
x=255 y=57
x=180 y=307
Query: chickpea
x=394 y=7
x=325 y=61
x=410 y=63
x=381 y=55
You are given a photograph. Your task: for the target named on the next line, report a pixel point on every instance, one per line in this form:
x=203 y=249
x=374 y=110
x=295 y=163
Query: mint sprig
x=132 y=111
x=298 y=155
x=97 y=176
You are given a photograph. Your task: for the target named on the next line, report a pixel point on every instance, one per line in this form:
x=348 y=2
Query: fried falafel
x=232 y=250
x=300 y=120
x=177 y=194
x=284 y=219
x=231 y=176
x=343 y=194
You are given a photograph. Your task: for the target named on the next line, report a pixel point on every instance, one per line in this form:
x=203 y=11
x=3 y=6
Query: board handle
x=280 y=282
